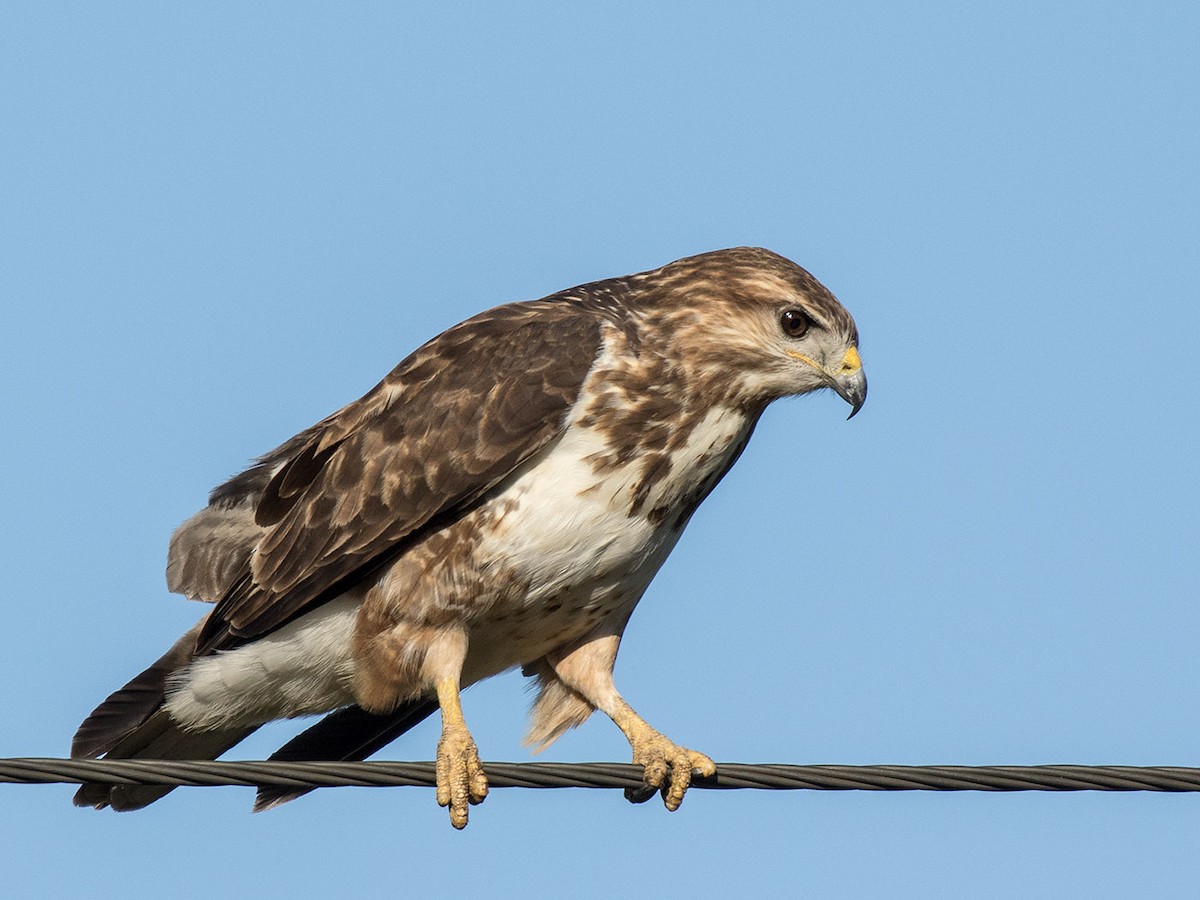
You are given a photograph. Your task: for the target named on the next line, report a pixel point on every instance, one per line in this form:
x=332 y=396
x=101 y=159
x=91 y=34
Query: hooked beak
x=848 y=378
x=850 y=381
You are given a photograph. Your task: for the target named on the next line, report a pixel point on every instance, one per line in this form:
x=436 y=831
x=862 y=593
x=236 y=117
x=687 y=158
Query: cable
x=605 y=775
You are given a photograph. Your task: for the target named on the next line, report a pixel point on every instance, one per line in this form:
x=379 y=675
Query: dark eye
x=794 y=323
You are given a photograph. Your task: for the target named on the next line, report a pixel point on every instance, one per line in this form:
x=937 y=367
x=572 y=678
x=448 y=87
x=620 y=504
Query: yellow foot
x=667 y=768
x=460 y=777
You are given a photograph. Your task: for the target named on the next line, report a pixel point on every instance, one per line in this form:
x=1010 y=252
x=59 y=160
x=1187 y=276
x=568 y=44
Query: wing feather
x=429 y=441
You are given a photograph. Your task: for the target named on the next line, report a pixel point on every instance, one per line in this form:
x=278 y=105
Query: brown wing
x=444 y=428
x=211 y=551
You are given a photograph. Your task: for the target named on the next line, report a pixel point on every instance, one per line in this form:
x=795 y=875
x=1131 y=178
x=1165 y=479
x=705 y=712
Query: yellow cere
x=851 y=362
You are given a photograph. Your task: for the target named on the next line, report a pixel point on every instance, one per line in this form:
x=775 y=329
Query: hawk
x=501 y=499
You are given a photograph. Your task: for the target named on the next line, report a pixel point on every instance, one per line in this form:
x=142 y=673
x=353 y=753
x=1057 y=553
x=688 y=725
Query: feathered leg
x=586 y=667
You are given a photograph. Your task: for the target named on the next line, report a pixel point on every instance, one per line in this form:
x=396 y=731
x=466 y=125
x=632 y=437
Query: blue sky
x=219 y=223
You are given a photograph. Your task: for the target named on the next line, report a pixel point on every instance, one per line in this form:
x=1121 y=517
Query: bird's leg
x=666 y=766
x=460 y=777
x=401 y=660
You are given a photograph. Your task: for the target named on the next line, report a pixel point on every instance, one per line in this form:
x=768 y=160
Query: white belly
x=571 y=532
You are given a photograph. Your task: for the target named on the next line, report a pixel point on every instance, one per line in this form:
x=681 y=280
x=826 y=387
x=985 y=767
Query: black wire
x=730 y=776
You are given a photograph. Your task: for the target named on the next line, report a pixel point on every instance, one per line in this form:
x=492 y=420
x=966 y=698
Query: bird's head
x=762 y=327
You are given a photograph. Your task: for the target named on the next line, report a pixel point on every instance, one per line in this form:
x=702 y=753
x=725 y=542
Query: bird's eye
x=794 y=323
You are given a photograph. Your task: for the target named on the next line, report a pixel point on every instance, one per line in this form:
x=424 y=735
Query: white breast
x=569 y=523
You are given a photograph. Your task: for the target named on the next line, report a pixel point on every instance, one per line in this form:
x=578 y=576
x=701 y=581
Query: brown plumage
x=366 y=480
x=501 y=499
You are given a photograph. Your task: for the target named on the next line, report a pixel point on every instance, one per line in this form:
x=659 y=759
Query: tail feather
x=132 y=724
x=129 y=708
x=348 y=735
x=159 y=737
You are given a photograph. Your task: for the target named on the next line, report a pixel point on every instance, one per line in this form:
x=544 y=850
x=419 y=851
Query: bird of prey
x=501 y=499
